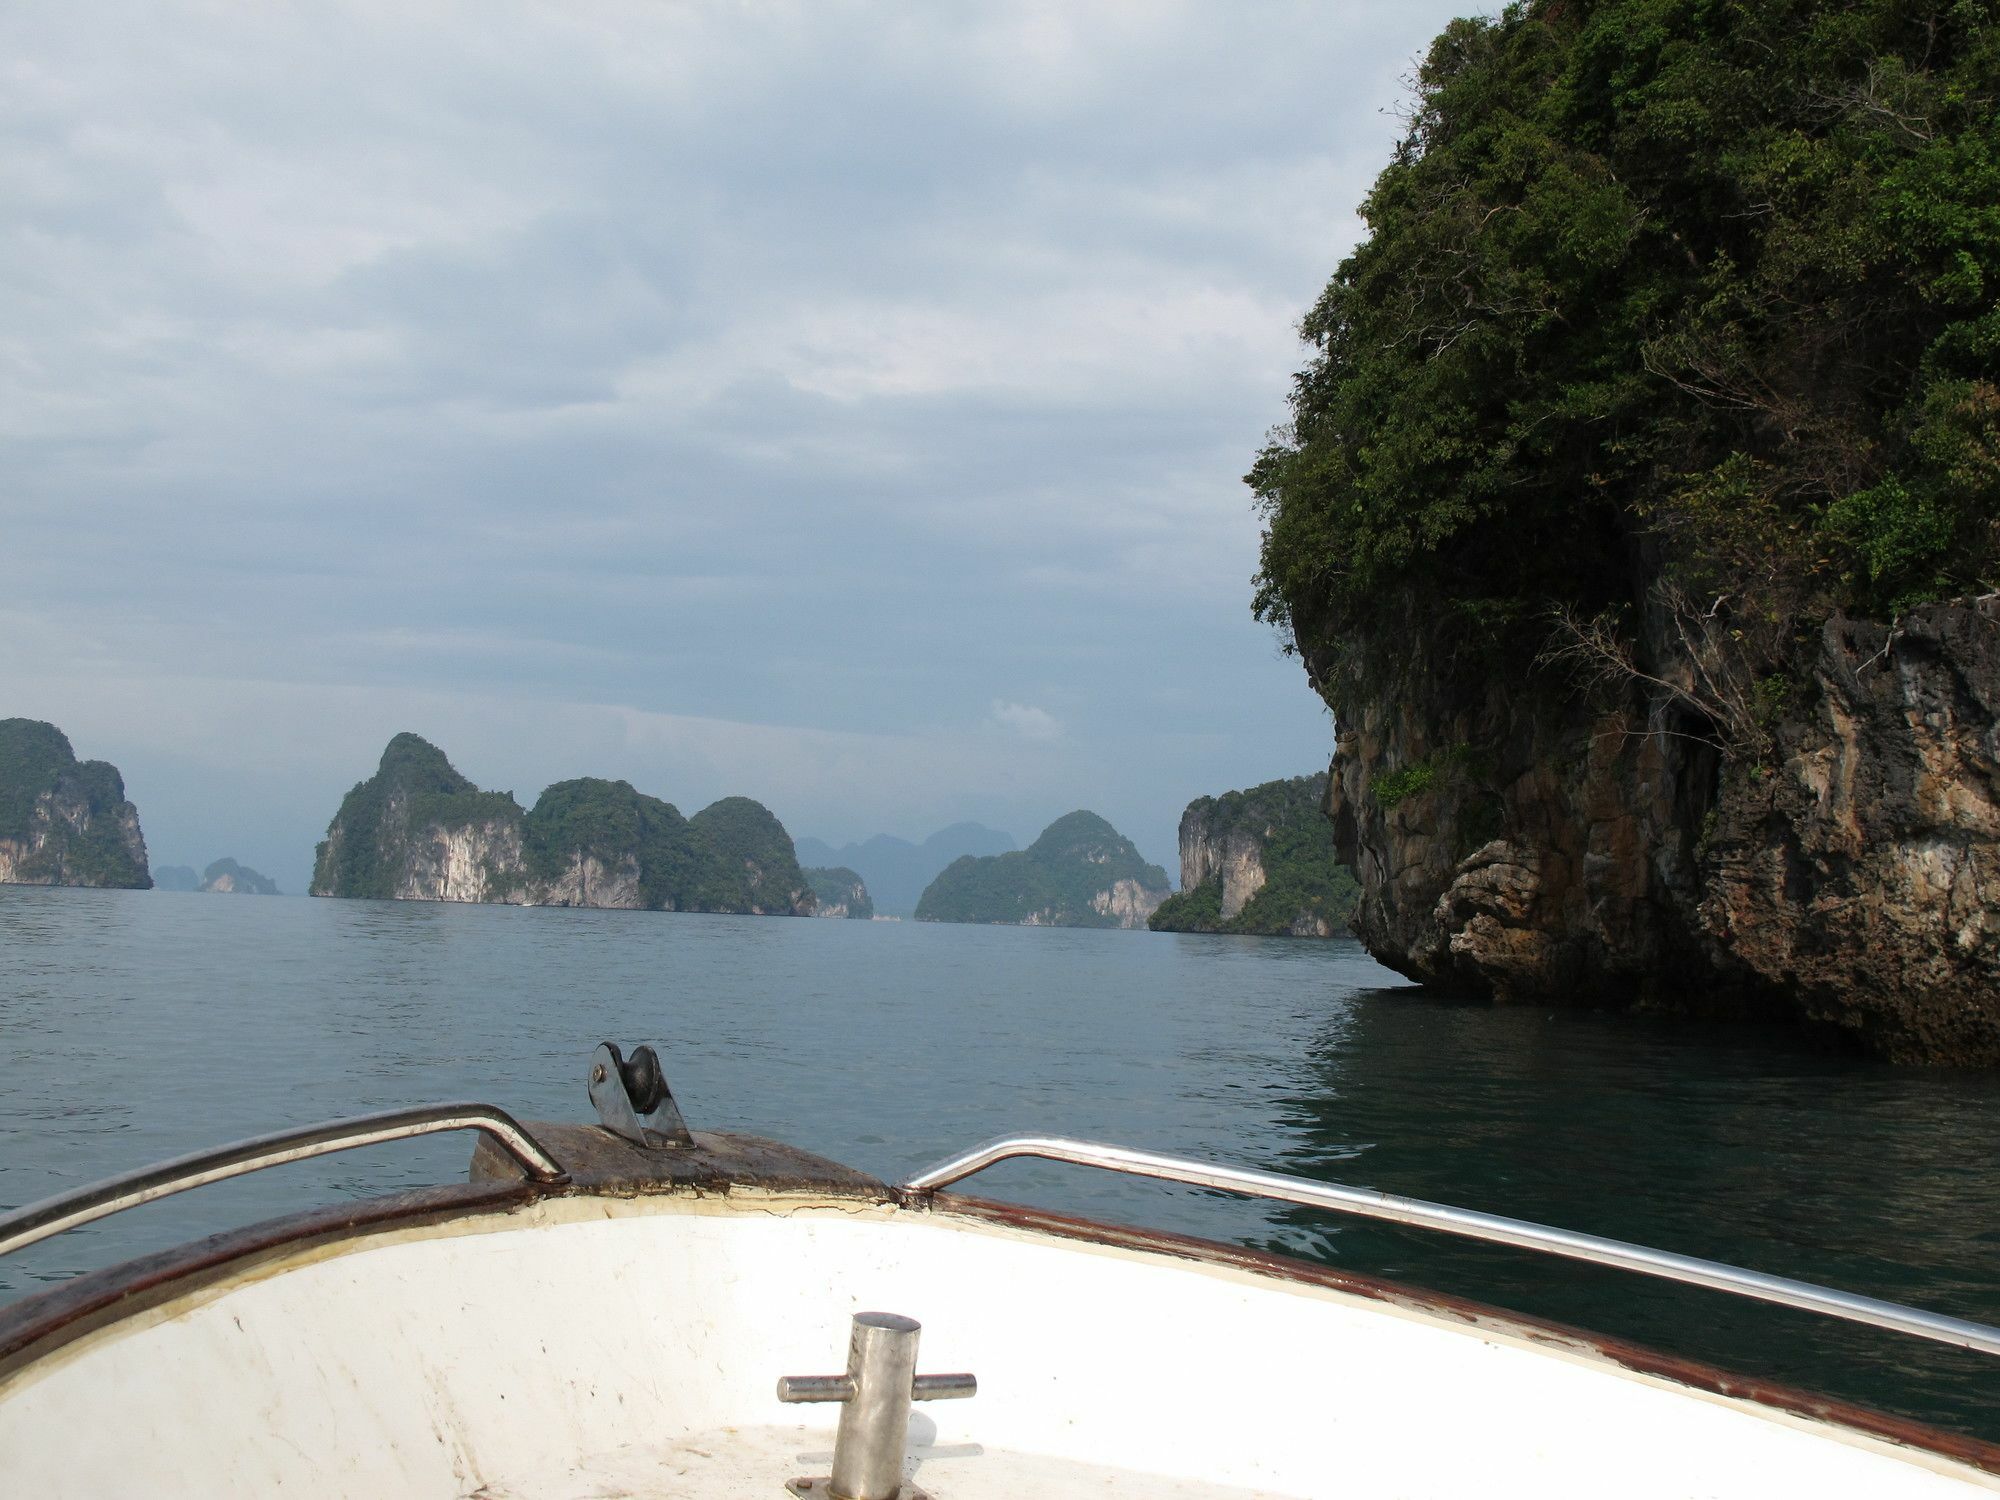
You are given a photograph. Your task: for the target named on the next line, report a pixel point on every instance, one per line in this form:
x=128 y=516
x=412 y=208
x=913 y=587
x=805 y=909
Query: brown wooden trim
x=38 y=1325
x=599 y=1164
x=1957 y=1447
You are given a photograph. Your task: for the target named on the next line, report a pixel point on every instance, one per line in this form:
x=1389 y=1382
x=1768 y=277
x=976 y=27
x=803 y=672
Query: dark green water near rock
x=136 y=1025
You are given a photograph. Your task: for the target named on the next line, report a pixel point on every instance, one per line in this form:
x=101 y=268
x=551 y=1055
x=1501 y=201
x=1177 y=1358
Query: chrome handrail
x=37 y=1221
x=1369 y=1204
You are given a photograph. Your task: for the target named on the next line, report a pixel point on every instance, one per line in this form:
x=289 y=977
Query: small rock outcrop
x=1081 y=872
x=1260 y=861
x=227 y=878
x=841 y=893
x=417 y=830
x=64 y=821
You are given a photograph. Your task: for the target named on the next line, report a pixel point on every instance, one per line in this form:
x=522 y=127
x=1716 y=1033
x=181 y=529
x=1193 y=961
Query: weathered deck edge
x=601 y=1165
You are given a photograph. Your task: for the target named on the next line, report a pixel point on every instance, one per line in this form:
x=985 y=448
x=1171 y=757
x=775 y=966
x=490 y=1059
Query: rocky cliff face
x=1127 y=903
x=1844 y=874
x=64 y=821
x=1232 y=857
x=478 y=860
x=588 y=880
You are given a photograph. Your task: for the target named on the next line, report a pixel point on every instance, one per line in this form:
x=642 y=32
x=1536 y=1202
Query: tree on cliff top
x=1660 y=294
x=33 y=755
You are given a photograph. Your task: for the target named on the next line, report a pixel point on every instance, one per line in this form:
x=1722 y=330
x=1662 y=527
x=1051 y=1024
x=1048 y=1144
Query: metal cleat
x=876 y=1392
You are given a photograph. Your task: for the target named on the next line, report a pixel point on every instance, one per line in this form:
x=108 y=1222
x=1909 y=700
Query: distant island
x=1260 y=861
x=417 y=830
x=840 y=892
x=1081 y=872
x=226 y=877
x=64 y=821
x=896 y=870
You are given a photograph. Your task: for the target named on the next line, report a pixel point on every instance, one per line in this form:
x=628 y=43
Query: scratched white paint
x=631 y=1348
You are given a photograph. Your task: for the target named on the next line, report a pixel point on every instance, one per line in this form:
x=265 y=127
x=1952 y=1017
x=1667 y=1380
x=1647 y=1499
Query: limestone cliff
x=1260 y=861
x=419 y=831
x=1637 y=514
x=64 y=821
x=1081 y=872
x=1232 y=857
x=1542 y=846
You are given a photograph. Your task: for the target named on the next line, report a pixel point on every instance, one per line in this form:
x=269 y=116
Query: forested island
x=1261 y=862
x=1638 y=518
x=1081 y=872
x=417 y=830
x=227 y=878
x=840 y=892
x=224 y=877
x=64 y=821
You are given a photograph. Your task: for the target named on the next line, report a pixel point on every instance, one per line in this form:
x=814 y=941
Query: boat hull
x=617 y=1337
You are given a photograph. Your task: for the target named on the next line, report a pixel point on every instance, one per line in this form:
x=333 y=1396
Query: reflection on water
x=137 y=1025
x=1748 y=1150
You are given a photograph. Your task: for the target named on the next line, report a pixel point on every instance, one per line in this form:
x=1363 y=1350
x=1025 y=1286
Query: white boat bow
x=631 y=1308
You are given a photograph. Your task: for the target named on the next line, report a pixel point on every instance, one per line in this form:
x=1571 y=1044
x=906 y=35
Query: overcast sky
x=842 y=405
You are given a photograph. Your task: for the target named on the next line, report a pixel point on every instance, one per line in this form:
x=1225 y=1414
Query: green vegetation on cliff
x=1069 y=877
x=389 y=838
x=1667 y=311
x=841 y=891
x=64 y=821
x=1278 y=831
x=756 y=861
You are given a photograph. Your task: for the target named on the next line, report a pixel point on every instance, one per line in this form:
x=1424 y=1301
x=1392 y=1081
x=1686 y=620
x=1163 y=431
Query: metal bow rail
x=37 y=1221
x=1369 y=1204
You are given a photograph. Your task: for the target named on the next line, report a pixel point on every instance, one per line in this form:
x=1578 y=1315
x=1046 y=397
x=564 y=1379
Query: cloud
x=1028 y=722
x=735 y=365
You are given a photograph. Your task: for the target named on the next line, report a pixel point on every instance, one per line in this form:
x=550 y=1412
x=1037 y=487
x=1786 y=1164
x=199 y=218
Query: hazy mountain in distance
x=896 y=870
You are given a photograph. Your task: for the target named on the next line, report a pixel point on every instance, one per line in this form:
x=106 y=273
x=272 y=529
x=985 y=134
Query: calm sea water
x=135 y=1025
